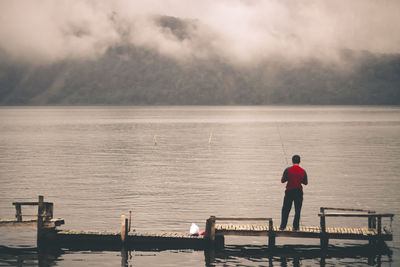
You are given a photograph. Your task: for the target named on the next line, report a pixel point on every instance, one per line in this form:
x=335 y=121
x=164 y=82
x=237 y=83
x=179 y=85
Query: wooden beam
x=25 y=203
x=241 y=233
x=242 y=219
x=345 y=209
x=357 y=214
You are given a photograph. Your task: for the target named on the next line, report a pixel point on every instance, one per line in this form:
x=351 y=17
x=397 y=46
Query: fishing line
x=283 y=147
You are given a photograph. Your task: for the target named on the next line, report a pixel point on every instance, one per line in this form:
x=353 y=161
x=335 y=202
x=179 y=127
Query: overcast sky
x=46 y=31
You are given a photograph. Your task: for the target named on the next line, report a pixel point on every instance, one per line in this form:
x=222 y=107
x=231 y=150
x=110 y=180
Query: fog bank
x=241 y=32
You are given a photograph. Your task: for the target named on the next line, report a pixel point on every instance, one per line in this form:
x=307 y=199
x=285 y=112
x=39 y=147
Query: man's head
x=296 y=159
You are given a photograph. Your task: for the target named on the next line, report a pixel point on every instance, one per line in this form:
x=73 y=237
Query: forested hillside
x=133 y=75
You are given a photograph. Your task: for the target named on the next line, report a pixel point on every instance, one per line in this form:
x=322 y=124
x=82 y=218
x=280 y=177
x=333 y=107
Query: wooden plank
x=356 y=214
x=25 y=203
x=308 y=232
x=242 y=233
x=304 y=231
x=344 y=209
x=28 y=203
x=297 y=234
x=241 y=219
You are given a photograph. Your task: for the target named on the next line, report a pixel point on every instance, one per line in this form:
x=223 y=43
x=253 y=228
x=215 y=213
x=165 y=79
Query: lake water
x=173 y=166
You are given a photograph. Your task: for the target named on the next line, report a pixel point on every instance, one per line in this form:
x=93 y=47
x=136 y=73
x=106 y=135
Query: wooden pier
x=98 y=240
x=373 y=232
x=216 y=230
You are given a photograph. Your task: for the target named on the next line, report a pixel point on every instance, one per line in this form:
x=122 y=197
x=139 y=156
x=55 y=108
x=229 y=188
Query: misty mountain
x=128 y=74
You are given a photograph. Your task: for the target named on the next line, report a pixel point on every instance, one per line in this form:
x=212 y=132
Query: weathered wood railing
x=44 y=218
x=374 y=220
x=45 y=209
x=211 y=234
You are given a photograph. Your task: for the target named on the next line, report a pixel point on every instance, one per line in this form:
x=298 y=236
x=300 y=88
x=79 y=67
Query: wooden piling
x=371 y=220
x=379 y=225
x=124 y=229
x=271 y=234
x=40 y=221
x=130 y=221
x=18 y=212
x=210 y=229
x=323 y=236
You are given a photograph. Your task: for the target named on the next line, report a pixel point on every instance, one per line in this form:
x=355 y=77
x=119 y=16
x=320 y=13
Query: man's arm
x=285 y=176
x=305 y=179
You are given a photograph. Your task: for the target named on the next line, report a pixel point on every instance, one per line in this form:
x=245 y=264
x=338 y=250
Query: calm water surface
x=176 y=165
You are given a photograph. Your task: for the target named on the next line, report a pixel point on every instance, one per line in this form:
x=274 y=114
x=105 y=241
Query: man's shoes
x=295 y=228
x=282 y=228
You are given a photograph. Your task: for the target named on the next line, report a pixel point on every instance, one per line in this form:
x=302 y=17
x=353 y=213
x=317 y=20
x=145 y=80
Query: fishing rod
x=283 y=147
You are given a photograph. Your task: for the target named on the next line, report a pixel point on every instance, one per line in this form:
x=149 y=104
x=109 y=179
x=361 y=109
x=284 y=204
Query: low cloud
x=245 y=32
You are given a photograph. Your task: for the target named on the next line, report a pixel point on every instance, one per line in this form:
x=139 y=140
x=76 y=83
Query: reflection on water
x=231 y=255
x=297 y=255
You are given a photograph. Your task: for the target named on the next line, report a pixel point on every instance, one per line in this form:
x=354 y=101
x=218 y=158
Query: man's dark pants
x=296 y=196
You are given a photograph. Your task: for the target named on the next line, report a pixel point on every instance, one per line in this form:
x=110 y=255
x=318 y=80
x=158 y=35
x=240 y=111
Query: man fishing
x=294 y=176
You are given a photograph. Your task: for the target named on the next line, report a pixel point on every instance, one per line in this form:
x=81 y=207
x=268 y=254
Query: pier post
x=371 y=220
x=124 y=229
x=271 y=235
x=372 y=225
x=323 y=236
x=18 y=212
x=40 y=221
x=379 y=225
x=379 y=228
x=130 y=221
x=210 y=229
